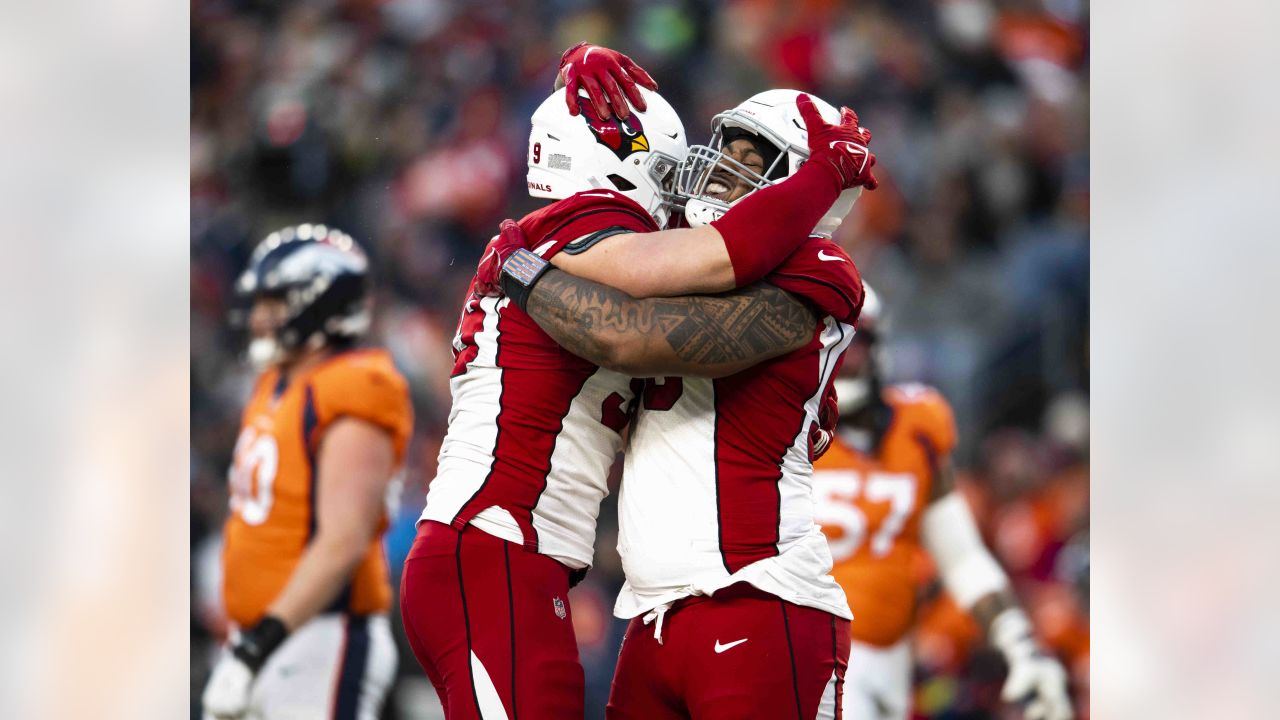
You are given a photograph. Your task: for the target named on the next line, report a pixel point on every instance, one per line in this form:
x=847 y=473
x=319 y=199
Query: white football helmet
x=773 y=117
x=637 y=156
x=854 y=389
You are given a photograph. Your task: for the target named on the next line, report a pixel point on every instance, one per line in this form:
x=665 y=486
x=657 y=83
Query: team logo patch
x=559 y=605
x=623 y=137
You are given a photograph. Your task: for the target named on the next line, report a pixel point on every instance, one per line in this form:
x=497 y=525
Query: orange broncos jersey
x=273 y=481
x=869 y=508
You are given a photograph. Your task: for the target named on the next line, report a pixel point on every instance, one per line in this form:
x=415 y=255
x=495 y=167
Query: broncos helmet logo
x=623 y=137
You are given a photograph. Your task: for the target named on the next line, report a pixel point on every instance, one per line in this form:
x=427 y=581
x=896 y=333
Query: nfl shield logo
x=560 y=613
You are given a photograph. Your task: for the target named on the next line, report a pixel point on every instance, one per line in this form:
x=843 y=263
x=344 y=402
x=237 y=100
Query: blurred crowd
x=404 y=122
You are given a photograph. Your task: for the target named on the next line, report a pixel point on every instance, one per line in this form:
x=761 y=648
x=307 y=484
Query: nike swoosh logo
x=721 y=648
x=822 y=255
x=587 y=57
x=673 y=136
x=853 y=149
x=847 y=146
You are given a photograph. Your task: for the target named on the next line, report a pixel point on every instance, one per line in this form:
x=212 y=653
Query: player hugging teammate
x=710 y=349
x=686 y=304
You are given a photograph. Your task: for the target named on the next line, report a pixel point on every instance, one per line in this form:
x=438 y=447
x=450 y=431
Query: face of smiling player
x=727 y=186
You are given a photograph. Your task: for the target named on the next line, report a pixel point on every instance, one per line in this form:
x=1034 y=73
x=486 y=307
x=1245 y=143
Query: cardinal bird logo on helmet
x=623 y=137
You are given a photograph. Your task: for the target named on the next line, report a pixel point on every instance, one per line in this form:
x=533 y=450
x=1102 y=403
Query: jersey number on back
x=837 y=492
x=654 y=395
x=256 y=457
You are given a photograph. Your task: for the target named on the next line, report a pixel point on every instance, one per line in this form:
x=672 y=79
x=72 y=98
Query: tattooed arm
x=698 y=336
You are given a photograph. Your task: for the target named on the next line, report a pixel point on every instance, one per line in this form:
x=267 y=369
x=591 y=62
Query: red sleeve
x=579 y=216
x=824 y=275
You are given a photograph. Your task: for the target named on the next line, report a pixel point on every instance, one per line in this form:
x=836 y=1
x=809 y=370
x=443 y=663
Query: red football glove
x=510 y=239
x=821 y=434
x=606 y=75
x=843 y=146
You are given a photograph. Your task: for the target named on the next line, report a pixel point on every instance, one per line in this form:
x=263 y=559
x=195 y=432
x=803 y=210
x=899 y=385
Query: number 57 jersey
x=534 y=429
x=869 y=504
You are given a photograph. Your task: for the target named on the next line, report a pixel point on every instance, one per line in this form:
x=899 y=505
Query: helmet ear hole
x=621 y=183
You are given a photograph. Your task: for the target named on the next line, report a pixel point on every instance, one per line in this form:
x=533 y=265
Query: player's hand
x=510 y=239
x=822 y=433
x=609 y=77
x=227 y=694
x=1039 y=684
x=844 y=147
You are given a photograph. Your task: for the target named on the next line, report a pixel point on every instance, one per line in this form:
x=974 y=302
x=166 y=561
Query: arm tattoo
x=746 y=325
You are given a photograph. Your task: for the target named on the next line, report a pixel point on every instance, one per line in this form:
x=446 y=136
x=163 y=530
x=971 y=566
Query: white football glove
x=227 y=694
x=226 y=697
x=1036 y=681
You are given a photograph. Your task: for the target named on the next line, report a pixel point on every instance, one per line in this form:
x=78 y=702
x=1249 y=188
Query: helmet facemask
x=772 y=120
x=664 y=170
x=707 y=164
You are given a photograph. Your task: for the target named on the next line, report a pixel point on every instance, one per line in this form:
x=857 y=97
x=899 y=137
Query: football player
x=885 y=489
x=733 y=611
x=304 y=578
x=510 y=517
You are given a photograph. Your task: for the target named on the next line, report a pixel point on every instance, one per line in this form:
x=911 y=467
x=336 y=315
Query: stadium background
x=404 y=122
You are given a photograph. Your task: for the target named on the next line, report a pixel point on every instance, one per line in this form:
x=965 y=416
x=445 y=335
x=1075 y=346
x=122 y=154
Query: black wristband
x=520 y=273
x=258 y=642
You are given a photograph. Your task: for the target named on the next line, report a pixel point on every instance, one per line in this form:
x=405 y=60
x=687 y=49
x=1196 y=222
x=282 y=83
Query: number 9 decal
x=537 y=152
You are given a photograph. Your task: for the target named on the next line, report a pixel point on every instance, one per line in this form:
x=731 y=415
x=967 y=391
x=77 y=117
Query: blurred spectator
x=404 y=123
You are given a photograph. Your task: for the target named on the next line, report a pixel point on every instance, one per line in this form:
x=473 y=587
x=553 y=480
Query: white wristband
x=951 y=537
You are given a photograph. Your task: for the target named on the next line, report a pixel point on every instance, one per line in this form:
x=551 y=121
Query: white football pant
x=877 y=685
x=334 y=666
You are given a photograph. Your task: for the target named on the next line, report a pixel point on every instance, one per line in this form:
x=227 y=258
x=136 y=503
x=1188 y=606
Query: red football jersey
x=717 y=486
x=534 y=428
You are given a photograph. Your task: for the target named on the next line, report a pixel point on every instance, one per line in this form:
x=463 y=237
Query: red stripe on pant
x=741 y=654
x=469 y=593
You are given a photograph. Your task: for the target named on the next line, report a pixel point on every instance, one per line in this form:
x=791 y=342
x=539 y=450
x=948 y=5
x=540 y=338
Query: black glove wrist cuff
x=520 y=273
x=258 y=642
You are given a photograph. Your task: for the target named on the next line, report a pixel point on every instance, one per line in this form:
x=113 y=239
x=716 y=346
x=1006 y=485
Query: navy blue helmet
x=322 y=275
